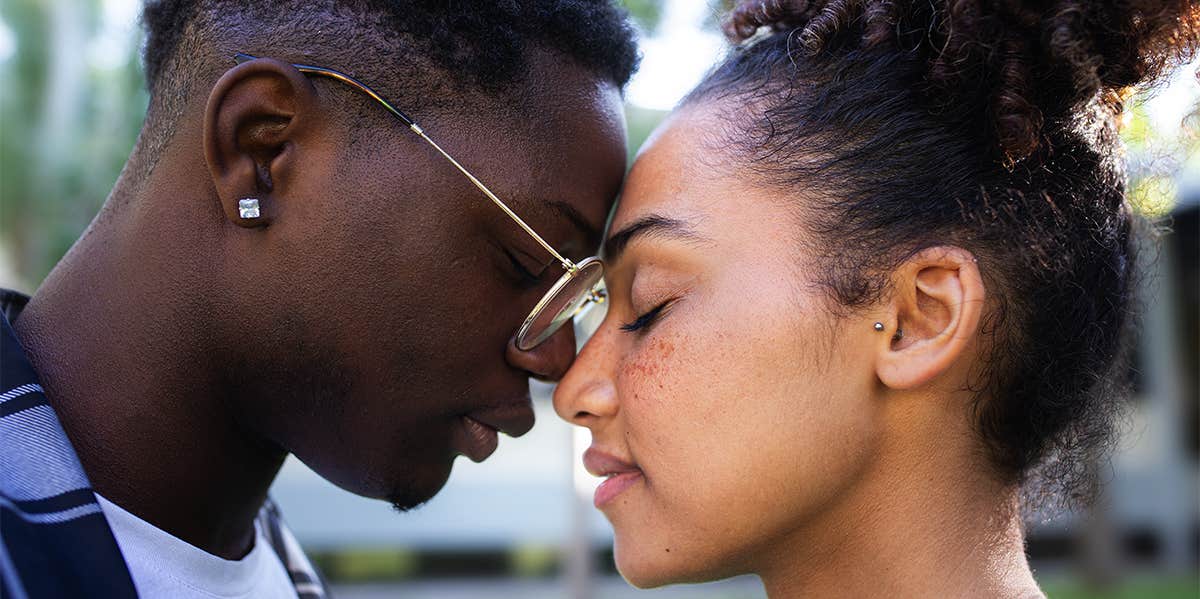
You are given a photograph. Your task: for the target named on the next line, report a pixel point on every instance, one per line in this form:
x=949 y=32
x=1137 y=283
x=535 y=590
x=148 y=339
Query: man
x=287 y=265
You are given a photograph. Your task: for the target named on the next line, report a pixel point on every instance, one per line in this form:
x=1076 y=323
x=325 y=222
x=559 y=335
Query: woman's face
x=735 y=410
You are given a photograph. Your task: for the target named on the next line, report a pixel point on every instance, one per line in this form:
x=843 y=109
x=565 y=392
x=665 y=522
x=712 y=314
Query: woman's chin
x=647 y=568
x=643 y=576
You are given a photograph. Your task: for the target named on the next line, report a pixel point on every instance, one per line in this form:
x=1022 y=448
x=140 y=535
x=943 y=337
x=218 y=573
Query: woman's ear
x=256 y=114
x=937 y=304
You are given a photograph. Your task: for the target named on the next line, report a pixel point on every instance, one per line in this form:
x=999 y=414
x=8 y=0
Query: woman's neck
x=922 y=524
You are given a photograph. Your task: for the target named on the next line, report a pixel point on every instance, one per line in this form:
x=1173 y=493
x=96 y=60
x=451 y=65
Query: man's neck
x=116 y=336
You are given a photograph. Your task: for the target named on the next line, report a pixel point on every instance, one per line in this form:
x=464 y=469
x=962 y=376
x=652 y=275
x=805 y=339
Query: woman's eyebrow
x=655 y=225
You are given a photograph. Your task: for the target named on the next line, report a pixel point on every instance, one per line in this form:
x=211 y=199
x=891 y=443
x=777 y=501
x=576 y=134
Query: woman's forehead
x=677 y=176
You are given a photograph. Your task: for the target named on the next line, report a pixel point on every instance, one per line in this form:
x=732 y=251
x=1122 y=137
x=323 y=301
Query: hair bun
x=1028 y=62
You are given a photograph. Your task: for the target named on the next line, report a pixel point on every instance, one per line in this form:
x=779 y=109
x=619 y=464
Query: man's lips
x=619 y=474
x=477 y=437
x=477 y=441
x=513 y=419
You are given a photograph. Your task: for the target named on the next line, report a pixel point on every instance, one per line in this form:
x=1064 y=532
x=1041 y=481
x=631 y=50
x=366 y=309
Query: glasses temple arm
x=567 y=264
x=312 y=70
x=242 y=57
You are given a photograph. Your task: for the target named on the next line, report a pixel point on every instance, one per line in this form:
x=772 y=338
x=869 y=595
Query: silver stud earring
x=879 y=326
x=248 y=208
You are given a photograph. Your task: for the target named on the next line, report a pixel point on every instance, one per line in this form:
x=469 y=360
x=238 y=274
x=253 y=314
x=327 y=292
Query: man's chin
x=403 y=503
x=410 y=494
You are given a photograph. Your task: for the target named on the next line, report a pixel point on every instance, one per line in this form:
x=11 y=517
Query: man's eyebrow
x=589 y=230
x=654 y=225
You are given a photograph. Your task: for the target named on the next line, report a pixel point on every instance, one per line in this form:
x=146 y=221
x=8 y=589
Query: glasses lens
x=563 y=303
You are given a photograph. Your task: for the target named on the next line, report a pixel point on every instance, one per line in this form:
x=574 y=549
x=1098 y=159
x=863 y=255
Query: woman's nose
x=586 y=395
x=548 y=360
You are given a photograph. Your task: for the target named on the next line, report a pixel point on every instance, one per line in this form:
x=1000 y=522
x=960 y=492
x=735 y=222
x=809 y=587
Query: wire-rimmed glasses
x=578 y=287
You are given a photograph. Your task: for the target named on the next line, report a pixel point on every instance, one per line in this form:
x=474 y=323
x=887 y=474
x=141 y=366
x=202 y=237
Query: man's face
x=392 y=289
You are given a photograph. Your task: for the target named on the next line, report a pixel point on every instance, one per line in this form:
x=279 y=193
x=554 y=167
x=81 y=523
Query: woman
x=868 y=282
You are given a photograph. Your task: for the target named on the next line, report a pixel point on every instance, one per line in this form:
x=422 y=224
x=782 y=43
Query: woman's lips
x=613 y=486
x=619 y=475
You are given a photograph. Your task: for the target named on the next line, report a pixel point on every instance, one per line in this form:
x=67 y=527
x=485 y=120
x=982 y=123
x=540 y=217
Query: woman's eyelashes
x=647 y=319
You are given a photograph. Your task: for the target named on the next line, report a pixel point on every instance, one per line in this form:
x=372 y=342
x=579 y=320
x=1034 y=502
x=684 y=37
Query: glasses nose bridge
x=598 y=294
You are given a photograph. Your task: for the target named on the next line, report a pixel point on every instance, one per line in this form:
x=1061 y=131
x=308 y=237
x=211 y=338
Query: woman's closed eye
x=647 y=319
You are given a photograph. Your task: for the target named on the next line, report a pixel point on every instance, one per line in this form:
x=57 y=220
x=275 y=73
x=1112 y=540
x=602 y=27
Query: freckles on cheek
x=648 y=381
x=648 y=365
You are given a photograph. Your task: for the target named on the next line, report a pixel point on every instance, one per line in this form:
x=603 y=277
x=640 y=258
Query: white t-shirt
x=164 y=566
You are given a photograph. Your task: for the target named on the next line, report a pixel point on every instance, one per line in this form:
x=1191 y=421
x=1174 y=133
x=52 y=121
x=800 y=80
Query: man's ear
x=256 y=113
x=937 y=304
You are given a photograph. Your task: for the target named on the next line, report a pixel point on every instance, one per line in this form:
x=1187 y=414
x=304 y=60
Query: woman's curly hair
x=987 y=125
x=1030 y=56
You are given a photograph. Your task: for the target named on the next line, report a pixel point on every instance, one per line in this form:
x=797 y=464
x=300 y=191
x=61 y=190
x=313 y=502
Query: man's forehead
x=569 y=189
x=569 y=223
x=560 y=163
x=588 y=227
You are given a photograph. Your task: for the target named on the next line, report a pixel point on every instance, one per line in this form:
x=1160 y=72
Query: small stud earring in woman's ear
x=248 y=208
x=879 y=326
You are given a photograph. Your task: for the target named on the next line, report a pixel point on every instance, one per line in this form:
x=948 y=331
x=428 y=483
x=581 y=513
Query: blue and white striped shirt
x=54 y=539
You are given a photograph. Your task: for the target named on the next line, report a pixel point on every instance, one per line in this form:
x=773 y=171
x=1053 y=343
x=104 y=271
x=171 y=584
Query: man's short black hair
x=480 y=42
x=424 y=54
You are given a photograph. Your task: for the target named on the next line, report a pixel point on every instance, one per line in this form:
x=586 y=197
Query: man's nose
x=548 y=360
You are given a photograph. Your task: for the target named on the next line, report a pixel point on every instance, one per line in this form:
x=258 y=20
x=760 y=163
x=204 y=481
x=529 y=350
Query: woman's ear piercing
x=879 y=326
x=899 y=334
x=248 y=208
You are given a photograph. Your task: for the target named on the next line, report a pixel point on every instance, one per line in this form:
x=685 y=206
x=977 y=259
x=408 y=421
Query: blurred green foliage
x=534 y=561
x=647 y=13
x=641 y=123
x=362 y=565
x=68 y=119
x=1157 y=155
x=1138 y=588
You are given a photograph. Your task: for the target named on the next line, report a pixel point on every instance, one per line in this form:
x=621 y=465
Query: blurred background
x=522 y=525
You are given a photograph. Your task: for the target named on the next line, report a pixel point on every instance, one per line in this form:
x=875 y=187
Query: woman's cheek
x=646 y=367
